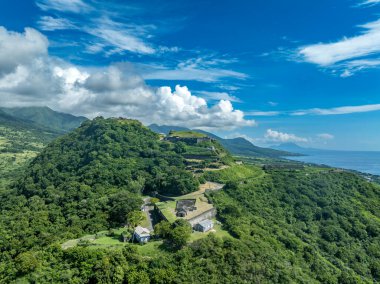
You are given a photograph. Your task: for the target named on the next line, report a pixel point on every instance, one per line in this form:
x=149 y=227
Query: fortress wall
x=206 y=215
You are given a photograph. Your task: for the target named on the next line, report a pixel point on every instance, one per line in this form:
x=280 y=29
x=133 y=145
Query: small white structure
x=141 y=234
x=204 y=226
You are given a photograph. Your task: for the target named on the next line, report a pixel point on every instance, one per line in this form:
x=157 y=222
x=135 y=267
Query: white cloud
x=263 y=113
x=121 y=37
x=219 y=96
x=369 y=2
x=196 y=69
x=108 y=36
x=338 y=110
x=326 y=136
x=29 y=76
x=74 y=6
x=348 y=54
x=276 y=136
x=273 y=104
x=319 y=111
x=20 y=48
x=47 y=23
x=182 y=108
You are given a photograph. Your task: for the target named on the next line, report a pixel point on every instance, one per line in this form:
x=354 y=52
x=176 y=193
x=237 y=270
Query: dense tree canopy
x=89 y=180
x=306 y=225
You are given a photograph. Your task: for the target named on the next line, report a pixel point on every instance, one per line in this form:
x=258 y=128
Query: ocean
x=366 y=162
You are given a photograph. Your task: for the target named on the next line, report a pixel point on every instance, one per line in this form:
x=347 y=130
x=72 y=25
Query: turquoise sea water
x=366 y=162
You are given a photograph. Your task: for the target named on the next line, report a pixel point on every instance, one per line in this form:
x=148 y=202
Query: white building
x=204 y=226
x=141 y=234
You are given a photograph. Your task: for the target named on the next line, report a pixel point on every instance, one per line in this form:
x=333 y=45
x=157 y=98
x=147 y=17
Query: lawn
x=151 y=249
x=167 y=208
x=218 y=231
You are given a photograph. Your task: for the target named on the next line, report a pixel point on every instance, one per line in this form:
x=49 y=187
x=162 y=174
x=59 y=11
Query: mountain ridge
x=44 y=117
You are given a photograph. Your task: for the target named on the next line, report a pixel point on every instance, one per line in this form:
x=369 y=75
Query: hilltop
x=236 y=146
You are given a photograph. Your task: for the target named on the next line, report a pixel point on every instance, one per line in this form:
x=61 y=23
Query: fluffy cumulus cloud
x=277 y=136
x=350 y=54
x=30 y=76
x=19 y=49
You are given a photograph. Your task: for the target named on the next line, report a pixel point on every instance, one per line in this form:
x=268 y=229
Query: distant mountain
x=237 y=146
x=44 y=117
x=18 y=124
x=166 y=128
x=291 y=147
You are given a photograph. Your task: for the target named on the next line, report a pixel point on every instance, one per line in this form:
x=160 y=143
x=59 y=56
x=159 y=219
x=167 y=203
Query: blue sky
x=270 y=71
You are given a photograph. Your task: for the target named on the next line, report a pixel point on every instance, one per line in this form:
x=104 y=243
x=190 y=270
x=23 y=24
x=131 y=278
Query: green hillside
x=324 y=222
x=91 y=177
x=286 y=224
x=45 y=117
x=20 y=141
x=24 y=132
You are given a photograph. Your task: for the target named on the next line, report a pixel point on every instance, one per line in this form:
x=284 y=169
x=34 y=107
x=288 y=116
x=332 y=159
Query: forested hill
x=44 y=117
x=102 y=162
x=109 y=153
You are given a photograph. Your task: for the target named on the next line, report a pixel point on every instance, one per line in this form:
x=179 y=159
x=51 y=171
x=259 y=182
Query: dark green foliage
x=289 y=226
x=108 y=153
x=325 y=222
x=88 y=181
x=45 y=117
x=176 y=235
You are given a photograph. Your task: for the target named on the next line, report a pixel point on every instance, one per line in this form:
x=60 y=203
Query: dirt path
x=210 y=186
x=213 y=186
x=148 y=210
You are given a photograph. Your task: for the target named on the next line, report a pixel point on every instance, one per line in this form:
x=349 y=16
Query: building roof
x=206 y=223
x=142 y=232
x=185 y=204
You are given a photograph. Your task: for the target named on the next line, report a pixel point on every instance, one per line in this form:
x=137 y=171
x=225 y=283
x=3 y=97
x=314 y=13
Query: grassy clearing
x=199 y=151
x=167 y=208
x=151 y=249
x=235 y=173
x=218 y=231
x=187 y=134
